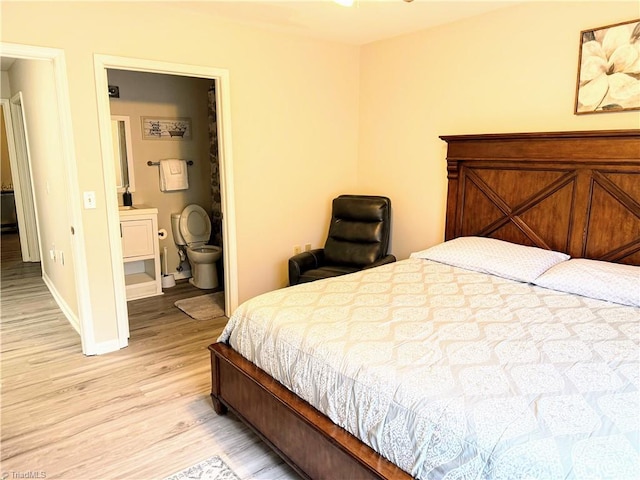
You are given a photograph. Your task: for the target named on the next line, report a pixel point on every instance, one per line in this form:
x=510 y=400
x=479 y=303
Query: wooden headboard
x=575 y=192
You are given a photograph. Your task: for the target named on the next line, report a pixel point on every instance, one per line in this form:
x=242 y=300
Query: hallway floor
x=142 y=412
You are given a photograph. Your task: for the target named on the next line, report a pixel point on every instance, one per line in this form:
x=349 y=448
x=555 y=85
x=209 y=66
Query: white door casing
x=221 y=76
x=22 y=177
x=15 y=180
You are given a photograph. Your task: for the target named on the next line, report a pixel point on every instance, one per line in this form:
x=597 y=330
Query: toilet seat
x=195 y=226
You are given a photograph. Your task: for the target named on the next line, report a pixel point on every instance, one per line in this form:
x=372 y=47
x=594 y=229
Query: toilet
x=192 y=228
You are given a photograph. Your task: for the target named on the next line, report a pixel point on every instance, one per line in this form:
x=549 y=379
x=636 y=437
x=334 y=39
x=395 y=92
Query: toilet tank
x=175 y=229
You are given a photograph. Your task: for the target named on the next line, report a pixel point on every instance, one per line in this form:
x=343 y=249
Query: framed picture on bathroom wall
x=166 y=128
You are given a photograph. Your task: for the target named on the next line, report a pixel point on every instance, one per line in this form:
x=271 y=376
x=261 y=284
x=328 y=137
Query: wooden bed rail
x=307 y=440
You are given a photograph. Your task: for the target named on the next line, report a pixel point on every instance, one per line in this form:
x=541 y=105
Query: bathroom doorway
x=103 y=66
x=144 y=99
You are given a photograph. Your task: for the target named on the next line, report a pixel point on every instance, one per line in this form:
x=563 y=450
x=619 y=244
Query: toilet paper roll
x=162 y=234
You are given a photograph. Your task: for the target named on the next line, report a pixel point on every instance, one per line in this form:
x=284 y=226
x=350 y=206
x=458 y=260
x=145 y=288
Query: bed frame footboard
x=305 y=438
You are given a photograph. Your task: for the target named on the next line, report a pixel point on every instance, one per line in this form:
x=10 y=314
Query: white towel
x=173 y=175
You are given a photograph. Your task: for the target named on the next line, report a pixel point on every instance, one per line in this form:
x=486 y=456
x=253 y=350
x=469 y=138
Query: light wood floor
x=140 y=413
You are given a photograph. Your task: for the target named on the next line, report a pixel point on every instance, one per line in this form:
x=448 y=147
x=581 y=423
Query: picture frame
x=166 y=128
x=609 y=69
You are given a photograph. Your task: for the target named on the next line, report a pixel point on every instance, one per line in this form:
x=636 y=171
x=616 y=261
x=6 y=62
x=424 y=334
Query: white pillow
x=497 y=257
x=613 y=282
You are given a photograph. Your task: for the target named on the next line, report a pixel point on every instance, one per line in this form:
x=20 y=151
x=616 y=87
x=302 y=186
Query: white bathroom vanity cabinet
x=140 y=251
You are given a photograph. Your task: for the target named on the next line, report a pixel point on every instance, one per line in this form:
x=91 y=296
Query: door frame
x=23 y=190
x=223 y=100
x=24 y=176
x=69 y=163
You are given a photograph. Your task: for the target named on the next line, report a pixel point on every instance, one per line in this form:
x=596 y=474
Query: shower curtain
x=216 y=199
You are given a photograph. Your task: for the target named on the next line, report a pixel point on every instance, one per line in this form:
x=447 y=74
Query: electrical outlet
x=52 y=254
x=307 y=247
x=297 y=249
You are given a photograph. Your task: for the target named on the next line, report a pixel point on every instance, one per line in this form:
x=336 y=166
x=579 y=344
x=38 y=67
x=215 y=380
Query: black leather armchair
x=358 y=239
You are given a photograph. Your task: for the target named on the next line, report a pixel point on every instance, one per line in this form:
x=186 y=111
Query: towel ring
x=156 y=164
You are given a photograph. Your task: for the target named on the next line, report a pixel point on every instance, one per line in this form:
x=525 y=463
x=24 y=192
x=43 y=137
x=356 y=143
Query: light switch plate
x=89 y=200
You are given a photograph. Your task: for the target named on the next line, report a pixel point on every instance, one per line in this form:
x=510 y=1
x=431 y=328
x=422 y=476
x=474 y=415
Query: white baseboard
x=66 y=310
x=98 y=348
x=106 y=347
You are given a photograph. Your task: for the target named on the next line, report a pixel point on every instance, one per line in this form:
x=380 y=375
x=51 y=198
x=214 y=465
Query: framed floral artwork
x=609 y=69
x=161 y=128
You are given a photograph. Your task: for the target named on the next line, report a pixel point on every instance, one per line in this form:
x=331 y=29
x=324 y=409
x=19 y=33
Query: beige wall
x=5 y=167
x=34 y=79
x=294 y=113
x=6 y=183
x=5 y=91
x=313 y=119
x=147 y=94
x=512 y=70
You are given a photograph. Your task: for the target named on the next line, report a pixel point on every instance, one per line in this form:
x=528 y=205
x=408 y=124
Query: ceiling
x=366 y=21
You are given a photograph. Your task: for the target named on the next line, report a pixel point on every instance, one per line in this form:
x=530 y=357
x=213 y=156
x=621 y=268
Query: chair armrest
x=304 y=261
x=382 y=261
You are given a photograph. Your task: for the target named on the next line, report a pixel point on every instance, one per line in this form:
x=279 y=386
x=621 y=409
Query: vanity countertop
x=136 y=210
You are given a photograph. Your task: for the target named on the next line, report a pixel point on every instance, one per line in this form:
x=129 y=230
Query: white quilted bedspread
x=455 y=374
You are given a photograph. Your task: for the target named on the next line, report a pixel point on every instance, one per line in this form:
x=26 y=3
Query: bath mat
x=203 y=307
x=210 y=469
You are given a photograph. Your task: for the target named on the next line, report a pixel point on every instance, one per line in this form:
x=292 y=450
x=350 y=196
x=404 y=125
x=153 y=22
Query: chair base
x=325 y=272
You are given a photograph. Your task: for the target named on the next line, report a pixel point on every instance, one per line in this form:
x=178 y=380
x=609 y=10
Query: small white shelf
x=140 y=251
x=137 y=278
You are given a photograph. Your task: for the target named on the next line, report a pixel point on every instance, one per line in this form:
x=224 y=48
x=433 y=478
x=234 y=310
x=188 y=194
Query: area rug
x=203 y=307
x=210 y=469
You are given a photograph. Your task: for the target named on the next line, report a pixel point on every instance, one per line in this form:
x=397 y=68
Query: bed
x=482 y=357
